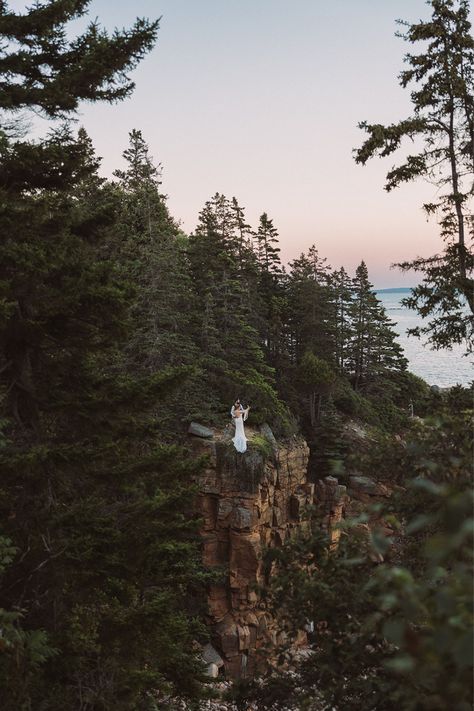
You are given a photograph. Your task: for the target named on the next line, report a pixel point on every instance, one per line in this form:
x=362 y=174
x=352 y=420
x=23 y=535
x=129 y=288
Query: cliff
x=248 y=502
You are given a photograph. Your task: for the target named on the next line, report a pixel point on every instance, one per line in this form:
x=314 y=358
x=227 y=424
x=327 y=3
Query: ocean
x=443 y=368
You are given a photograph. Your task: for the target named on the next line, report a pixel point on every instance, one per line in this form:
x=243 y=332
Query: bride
x=239 y=415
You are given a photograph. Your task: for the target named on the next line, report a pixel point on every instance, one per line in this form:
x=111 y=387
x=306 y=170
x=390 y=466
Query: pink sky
x=260 y=99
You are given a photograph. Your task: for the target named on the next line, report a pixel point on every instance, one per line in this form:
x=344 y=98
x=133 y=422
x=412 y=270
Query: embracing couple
x=239 y=414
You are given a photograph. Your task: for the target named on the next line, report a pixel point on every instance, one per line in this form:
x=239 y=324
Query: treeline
x=220 y=301
x=118 y=329
x=100 y=573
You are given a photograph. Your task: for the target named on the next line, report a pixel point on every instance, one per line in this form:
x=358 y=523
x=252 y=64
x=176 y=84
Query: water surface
x=444 y=368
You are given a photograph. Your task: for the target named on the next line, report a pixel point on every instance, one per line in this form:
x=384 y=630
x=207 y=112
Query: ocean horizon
x=443 y=367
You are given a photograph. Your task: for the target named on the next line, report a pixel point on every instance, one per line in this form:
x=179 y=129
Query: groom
x=236 y=406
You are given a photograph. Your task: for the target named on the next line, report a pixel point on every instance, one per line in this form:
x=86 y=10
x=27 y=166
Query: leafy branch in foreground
x=396 y=635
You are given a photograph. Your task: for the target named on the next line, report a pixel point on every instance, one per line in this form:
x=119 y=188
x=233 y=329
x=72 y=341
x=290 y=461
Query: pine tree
x=268 y=253
x=40 y=68
x=243 y=234
x=328 y=451
x=271 y=291
x=317 y=379
x=154 y=255
x=342 y=286
x=374 y=350
x=310 y=318
x=232 y=357
x=96 y=509
x=442 y=124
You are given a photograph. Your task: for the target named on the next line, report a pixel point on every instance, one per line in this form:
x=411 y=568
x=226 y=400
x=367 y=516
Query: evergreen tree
x=317 y=378
x=271 y=290
x=327 y=455
x=231 y=354
x=374 y=350
x=310 y=312
x=342 y=286
x=40 y=68
x=154 y=255
x=243 y=234
x=96 y=510
x=247 y=266
x=442 y=123
x=268 y=253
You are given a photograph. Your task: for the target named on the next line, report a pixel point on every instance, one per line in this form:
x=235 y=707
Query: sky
x=260 y=99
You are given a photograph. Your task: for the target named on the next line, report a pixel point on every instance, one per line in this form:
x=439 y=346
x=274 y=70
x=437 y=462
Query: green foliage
x=53 y=74
x=441 y=77
x=328 y=450
x=99 y=602
x=22 y=651
x=395 y=636
x=262 y=445
x=116 y=329
x=315 y=372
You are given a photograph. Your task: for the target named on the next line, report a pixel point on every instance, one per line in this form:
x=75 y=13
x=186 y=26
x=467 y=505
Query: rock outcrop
x=248 y=502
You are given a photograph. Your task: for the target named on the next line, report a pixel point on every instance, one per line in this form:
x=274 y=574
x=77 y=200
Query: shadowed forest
x=118 y=329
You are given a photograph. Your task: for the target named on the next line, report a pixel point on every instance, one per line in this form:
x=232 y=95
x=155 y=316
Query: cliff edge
x=248 y=502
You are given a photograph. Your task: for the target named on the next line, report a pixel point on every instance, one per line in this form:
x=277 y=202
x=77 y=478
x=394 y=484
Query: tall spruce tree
x=442 y=124
x=310 y=311
x=271 y=278
x=95 y=510
x=374 y=350
x=231 y=354
x=153 y=253
x=40 y=68
x=342 y=304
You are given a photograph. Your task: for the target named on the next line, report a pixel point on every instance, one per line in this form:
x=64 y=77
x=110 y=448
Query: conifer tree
x=374 y=350
x=247 y=266
x=243 y=233
x=271 y=290
x=317 y=378
x=268 y=253
x=310 y=311
x=95 y=509
x=153 y=253
x=342 y=287
x=442 y=125
x=328 y=452
x=40 y=68
x=232 y=356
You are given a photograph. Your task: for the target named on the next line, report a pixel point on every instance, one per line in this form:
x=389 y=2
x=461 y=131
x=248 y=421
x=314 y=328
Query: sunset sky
x=260 y=99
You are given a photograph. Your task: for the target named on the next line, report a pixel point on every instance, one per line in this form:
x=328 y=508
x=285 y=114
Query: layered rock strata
x=248 y=502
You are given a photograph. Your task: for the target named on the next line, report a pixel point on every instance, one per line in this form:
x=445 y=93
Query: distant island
x=397 y=290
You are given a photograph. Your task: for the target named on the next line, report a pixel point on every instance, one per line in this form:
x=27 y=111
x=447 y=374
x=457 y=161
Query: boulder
x=227 y=635
x=364 y=484
x=241 y=518
x=199 y=430
x=211 y=655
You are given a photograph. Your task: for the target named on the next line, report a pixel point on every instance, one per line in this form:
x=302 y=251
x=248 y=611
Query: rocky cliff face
x=248 y=502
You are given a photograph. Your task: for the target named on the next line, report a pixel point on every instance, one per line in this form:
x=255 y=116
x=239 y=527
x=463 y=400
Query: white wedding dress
x=240 y=440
